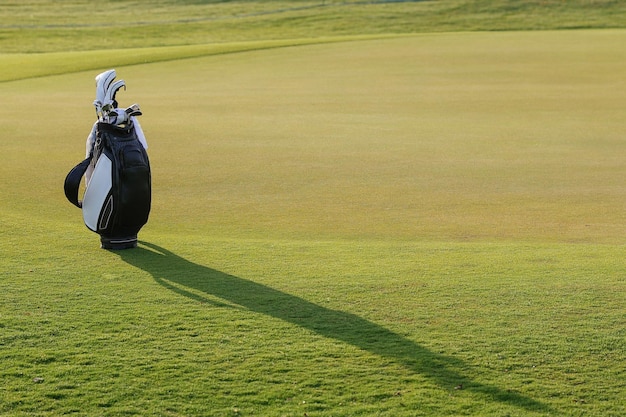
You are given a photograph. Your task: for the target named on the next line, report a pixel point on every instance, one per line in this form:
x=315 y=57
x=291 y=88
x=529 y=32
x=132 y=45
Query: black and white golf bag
x=117 y=198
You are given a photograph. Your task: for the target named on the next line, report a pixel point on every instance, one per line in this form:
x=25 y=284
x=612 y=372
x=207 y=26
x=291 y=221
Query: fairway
x=418 y=225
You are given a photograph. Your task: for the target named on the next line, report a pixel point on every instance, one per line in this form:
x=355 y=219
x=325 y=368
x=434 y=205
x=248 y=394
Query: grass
x=18 y=66
x=521 y=327
x=418 y=225
x=46 y=26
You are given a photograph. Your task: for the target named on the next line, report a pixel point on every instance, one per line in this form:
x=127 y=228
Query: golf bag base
x=118 y=243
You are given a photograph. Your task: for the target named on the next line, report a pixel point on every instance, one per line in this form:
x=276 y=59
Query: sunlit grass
x=19 y=66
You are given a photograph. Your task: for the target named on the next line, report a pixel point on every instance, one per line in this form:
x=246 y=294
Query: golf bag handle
x=72 y=182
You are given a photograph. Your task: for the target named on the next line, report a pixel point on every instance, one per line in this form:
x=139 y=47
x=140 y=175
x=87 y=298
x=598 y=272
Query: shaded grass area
x=332 y=324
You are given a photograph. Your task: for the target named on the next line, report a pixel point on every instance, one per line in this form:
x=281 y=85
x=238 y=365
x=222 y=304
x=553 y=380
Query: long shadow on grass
x=191 y=280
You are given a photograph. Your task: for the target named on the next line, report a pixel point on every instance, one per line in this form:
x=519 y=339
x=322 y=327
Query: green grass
x=407 y=226
x=47 y=26
x=41 y=37
x=18 y=66
x=242 y=327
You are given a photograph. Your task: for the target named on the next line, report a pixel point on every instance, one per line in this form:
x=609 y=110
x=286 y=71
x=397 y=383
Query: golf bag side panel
x=98 y=192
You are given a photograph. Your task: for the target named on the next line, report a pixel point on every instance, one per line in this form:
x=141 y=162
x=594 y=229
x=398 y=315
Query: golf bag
x=117 y=198
x=116 y=203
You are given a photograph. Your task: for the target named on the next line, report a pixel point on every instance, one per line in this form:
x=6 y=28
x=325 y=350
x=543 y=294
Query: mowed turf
x=427 y=225
x=469 y=136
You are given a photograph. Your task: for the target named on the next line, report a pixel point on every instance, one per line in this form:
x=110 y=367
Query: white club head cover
x=105 y=92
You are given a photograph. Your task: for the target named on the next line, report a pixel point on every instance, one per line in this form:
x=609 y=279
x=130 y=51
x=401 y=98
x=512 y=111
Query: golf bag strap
x=72 y=182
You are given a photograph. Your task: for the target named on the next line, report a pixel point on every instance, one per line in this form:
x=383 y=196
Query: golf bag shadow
x=116 y=202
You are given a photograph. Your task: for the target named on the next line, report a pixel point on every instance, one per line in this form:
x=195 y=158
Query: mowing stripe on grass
x=23 y=66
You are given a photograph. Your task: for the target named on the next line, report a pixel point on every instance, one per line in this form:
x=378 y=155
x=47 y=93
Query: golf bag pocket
x=117 y=200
